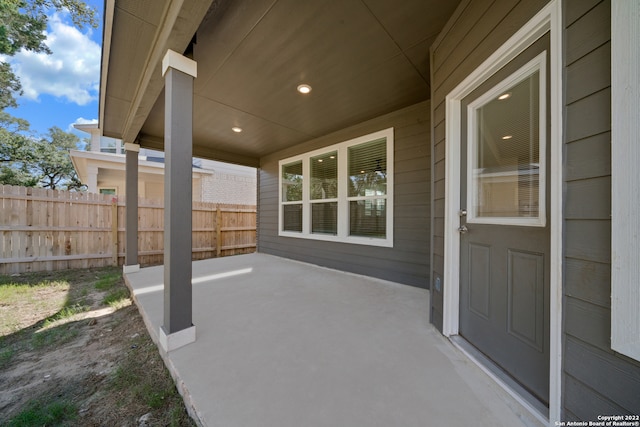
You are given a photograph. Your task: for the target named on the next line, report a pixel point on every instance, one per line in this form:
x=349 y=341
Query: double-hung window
x=340 y=193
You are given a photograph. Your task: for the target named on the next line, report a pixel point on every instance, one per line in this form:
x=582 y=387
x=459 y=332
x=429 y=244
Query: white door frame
x=549 y=19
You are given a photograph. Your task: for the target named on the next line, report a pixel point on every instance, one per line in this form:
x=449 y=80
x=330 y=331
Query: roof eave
x=107 y=28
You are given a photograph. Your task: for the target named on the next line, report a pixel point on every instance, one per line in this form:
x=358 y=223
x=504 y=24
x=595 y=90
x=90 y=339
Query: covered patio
x=284 y=343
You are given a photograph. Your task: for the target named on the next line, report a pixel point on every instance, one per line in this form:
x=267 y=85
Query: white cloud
x=71 y=71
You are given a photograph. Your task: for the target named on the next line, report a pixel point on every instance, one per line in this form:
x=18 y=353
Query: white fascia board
x=109 y=6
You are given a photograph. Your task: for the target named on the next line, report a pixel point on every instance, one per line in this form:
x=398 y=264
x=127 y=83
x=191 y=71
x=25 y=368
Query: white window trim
x=539 y=63
x=343 y=201
x=625 y=181
x=548 y=19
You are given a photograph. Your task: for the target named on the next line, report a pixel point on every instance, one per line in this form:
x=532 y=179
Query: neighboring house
x=102 y=170
x=485 y=150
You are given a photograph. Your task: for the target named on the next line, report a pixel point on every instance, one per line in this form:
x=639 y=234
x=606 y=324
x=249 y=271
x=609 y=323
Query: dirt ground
x=99 y=360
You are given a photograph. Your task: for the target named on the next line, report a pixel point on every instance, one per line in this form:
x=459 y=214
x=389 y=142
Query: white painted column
x=92 y=179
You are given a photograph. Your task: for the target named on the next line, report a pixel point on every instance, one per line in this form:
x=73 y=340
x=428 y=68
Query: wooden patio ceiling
x=362 y=58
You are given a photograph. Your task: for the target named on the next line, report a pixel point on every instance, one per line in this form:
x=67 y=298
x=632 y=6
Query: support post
x=177 y=329
x=218 y=230
x=114 y=231
x=131 y=201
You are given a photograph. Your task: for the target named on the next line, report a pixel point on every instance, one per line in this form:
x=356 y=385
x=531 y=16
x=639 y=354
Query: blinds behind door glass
x=506 y=170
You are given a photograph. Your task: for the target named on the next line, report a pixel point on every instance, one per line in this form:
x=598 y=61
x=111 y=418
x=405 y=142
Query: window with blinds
x=324 y=193
x=291 y=185
x=341 y=192
x=506 y=152
x=367 y=181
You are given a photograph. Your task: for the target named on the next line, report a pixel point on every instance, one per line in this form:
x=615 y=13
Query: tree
x=29 y=161
x=52 y=163
x=25 y=159
x=22 y=26
x=16 y=151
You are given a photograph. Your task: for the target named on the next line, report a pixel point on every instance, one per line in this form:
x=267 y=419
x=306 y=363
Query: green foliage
x=24 y=159
x=19 y=177
x=14 y=140
x=52 y=162
x=22 y=26
x=28 y=161
x=38 y=413
x=9 y=85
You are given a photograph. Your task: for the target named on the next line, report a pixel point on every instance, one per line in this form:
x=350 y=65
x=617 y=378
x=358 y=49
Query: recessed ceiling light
x=504 y=96
x=507 y=137
x=304 y=88
x=319 y=160
x=236 y=129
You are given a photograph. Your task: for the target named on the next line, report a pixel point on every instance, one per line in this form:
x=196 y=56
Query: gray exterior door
x=504 y=244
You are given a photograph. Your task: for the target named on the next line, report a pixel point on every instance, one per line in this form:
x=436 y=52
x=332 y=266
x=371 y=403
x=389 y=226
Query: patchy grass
x=117 y=298
x=19 y=302
x=38 y=413
x=75 y=352
x=6 y=354
x=107 y=281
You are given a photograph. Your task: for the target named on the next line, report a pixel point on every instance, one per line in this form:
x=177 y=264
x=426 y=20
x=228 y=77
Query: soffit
x=363 y=58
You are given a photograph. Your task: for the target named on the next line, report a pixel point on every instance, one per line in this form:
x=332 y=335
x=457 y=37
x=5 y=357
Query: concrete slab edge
x=180 y=385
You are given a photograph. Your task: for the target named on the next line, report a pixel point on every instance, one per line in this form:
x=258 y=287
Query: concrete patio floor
x=283 y=343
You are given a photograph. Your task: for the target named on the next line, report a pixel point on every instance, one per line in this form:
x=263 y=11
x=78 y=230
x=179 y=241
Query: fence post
x=218 y=230
x=114 y=231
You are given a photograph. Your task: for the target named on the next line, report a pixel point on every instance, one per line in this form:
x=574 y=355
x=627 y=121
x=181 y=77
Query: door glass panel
x=506 y=175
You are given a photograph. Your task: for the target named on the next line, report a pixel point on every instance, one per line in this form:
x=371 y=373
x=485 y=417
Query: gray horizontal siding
x=596 y=380
x=474 y=32
x=408 y=261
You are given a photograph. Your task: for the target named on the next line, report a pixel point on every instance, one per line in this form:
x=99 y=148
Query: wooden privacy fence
x=47 y=230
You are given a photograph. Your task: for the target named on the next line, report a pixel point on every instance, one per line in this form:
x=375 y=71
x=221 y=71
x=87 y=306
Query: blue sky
x=62 y=88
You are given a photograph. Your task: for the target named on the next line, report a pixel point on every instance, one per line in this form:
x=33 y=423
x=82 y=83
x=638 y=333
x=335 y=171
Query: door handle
x=463 y=229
